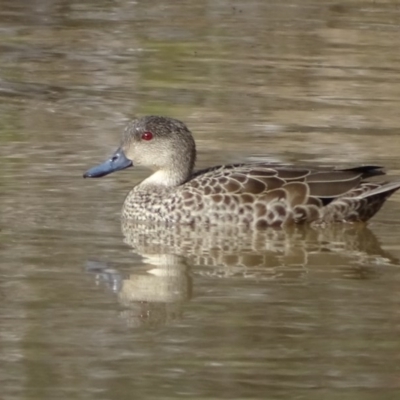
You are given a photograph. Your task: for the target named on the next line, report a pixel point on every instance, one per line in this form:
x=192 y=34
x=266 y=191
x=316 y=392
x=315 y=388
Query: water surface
x=93 y=310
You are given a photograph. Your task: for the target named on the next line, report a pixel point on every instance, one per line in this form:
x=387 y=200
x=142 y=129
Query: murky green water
x=90 y=312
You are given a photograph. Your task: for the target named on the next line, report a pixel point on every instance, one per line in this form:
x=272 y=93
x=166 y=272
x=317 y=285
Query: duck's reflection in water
x=152 y=296
x=173 y=255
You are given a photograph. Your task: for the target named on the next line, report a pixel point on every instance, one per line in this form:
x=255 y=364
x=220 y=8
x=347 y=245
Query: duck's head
x=164 y=145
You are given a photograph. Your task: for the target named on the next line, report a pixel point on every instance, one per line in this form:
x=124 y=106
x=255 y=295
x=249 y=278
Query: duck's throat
x=165 y=178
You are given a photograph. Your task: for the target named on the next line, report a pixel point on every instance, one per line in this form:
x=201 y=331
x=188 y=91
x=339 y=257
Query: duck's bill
x=117 y=162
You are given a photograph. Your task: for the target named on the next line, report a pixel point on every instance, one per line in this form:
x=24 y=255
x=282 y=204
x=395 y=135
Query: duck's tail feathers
x=382 y=191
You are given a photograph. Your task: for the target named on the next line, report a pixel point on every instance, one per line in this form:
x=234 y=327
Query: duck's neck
x=166 y=179
x=177 y=172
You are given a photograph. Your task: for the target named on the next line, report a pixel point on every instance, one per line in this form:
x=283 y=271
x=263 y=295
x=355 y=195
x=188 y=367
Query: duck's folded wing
x=323 y=183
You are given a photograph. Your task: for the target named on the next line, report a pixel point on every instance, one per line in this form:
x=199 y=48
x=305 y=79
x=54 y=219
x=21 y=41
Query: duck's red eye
x=147 y=136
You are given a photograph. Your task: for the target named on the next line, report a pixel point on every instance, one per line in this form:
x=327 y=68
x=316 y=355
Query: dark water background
x=86 y=313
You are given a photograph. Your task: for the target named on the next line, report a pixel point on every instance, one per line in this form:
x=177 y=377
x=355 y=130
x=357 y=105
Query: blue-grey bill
x=116 y=163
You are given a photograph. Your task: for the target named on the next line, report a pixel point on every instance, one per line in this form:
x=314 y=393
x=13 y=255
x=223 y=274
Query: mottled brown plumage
x=257 y=195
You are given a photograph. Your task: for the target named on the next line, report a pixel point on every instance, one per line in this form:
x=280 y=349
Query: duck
x=256 y=195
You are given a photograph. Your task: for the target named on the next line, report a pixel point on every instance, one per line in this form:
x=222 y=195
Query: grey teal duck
x=256 y=195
